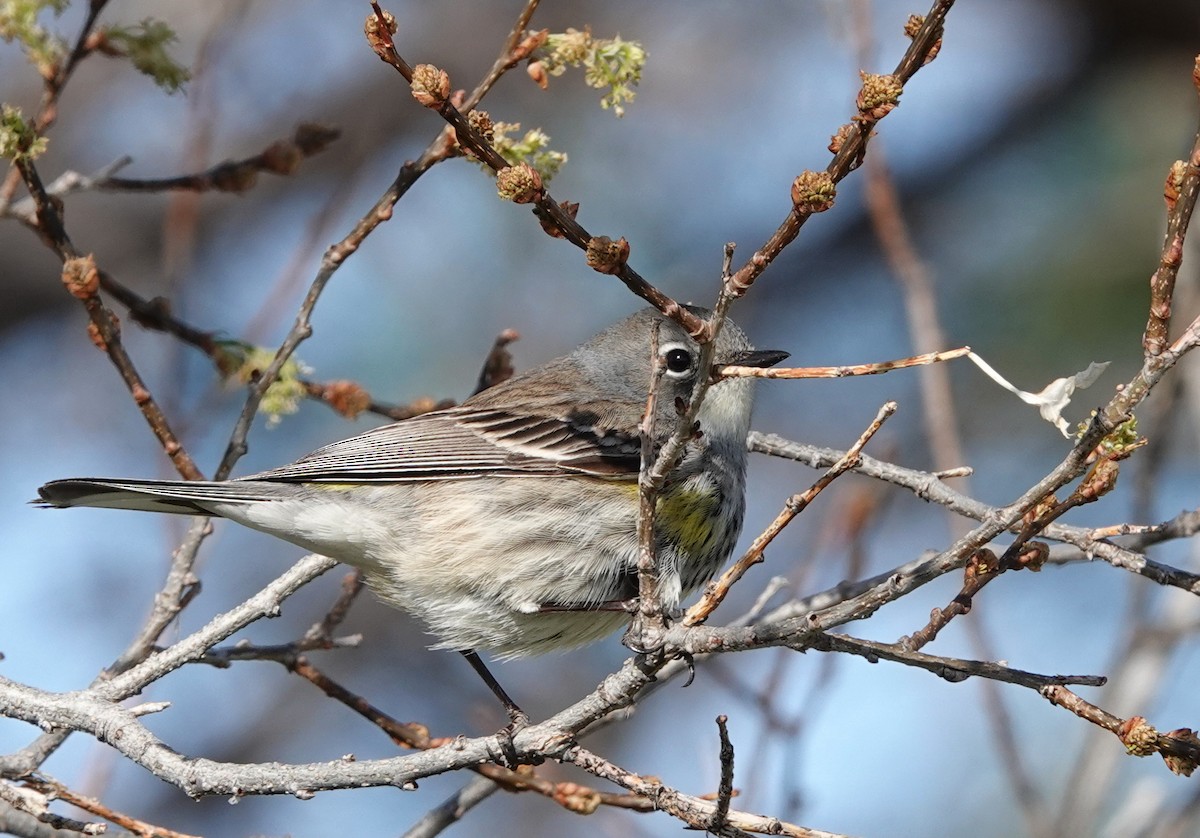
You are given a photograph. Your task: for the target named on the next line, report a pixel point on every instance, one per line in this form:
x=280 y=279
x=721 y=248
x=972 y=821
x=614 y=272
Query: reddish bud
x=548 y=225
x=813 y=191
x=1139 y=737
x=879 y=95
x=1033 y=556
x=379 y=33
x=1174 y=184
x=1181 y=764
x=81 y=277
x=520 y=184
x=913 y=25
x=537 y=72
x=346 y=397
x=532 y=41
x=839 y=139
x=576 y=798
x=430 y=86
x=282 y=157
x=607 y=256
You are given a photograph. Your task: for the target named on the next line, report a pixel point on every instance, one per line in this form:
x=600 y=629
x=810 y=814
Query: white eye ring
x=679 y=360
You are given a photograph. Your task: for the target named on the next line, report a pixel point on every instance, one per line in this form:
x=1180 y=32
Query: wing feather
x=465 y=442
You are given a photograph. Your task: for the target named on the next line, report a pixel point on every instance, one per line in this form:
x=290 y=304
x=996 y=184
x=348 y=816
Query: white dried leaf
x=1054 y=396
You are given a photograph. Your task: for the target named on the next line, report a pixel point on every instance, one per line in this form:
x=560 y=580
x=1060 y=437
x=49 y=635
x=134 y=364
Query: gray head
x=618 y=360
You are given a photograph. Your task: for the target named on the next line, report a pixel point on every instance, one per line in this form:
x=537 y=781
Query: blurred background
x=1030 y=157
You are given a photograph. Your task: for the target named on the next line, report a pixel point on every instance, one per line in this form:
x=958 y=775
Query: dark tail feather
x=182 y=497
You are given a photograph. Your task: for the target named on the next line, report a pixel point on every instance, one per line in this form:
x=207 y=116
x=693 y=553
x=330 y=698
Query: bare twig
x=725 y=791
x=930 y=487
x=67 y=183
x=83 y=281
x=24 y=811
x=55 y=789
x=1180 y=748
x=1182 y=188
x=498 y=365
x=849 y=147
x=696 y=812
x=550 y=212
x=452 y=810
x=282 y=157
x=716 y=591
x=951 y=669
x=733 y=371
x=650 y=617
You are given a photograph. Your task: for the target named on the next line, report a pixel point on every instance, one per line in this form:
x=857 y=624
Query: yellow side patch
x=687 y=517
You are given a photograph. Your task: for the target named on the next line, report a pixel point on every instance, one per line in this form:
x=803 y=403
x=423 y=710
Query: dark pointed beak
x=759 y=358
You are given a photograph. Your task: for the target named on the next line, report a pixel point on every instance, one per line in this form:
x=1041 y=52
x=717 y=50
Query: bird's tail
x=183 y=497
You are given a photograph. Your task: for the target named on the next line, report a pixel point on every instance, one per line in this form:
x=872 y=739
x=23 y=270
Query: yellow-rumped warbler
x=504 y=524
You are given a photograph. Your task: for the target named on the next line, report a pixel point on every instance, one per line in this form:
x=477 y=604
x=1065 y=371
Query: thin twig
x=551 y=213
x=282 y=157
x=725 y=791
x=649 y=594
x=844 y=371
x=930 y=487
x=452 y=810
x=441 y=148
x=349 y=399
x=696 y=812
x=1138 y=737
x=55 y=789
x=52 y=90
x=1182 y=189
x=82 y=278
x=67 y=183
x=25 y=812
x=951 y=669
x=716 y=591
x=851 y=146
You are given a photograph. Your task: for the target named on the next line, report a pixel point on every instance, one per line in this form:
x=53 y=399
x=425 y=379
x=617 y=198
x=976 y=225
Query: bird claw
x=505 y=753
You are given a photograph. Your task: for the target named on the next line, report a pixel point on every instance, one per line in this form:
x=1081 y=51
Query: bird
x=508 y=523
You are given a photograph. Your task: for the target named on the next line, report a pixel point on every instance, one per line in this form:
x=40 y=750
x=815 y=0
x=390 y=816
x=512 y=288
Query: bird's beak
x=759 y=358
x=755 y=359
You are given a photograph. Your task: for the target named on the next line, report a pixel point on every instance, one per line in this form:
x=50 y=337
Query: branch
x=477 y=790
x=1180 y=749
x=604 y=255
x=716 y=591
x=54 y=789
x=438 y=150
x=849 y=147
x=82 y=279
x=282 y=157
x=931 y=487
x=734 y=371
x=953 y=670
x=1182 y=188
x=697 y=812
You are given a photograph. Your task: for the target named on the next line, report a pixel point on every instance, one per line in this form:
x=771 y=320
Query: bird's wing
x=468 y=441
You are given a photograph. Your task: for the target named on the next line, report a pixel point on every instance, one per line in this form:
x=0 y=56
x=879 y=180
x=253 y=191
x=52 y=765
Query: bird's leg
x=517 y=717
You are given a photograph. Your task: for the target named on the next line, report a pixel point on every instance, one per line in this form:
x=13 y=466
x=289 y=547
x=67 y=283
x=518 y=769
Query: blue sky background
x=1030 y=156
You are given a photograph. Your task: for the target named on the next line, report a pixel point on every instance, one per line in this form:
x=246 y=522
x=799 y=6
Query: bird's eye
x=679 y=361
